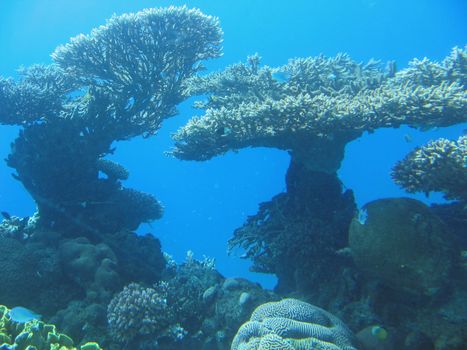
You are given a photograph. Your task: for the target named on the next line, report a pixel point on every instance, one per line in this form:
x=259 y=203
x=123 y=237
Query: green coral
x=441 y=166
x=35 y=335
x=291 y=324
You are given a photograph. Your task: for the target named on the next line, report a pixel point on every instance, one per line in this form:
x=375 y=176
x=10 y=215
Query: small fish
x=391 y=69
x=224 y=131
x=20 y=314
x=6 y=215
x=362 y=216
x=281 y=76
x=379 y=332
x=408 y=138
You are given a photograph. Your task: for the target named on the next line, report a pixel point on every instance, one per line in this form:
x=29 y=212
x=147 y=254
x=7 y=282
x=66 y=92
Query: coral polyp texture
x=439 y=166
x=291 y=324
x=312 y=107
x=34 y=335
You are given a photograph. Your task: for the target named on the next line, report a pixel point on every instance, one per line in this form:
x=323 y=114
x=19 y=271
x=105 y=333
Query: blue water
x=205 y=202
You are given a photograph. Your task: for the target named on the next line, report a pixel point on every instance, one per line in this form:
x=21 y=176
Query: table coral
x=320 y=105
x=291 y=324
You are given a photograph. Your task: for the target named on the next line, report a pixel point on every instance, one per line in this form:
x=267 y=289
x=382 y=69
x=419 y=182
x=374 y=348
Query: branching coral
x=41 y=93
x=291 y=324
x=120 y=81
x=138 y=63
x=314 y=106
x=440 y=166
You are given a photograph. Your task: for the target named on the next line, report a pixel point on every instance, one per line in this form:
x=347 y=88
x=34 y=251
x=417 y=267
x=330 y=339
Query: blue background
x=206 y=201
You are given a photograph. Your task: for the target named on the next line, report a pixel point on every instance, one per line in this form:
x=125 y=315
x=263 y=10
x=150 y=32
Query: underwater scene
x=233 y=175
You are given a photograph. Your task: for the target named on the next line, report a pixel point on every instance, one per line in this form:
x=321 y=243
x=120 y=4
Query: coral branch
x=439 y=166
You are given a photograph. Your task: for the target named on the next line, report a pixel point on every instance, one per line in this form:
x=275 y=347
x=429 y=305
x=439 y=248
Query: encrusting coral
x=291 y=324
x=440 y=165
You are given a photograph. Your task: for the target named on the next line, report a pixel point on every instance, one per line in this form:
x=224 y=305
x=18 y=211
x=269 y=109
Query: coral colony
x=389 y=276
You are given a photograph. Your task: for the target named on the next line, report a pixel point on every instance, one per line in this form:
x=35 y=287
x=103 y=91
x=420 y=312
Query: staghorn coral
x=440 y=165
x=35 y=335
x=322 y=104
x=291 y=324
x=120 y=81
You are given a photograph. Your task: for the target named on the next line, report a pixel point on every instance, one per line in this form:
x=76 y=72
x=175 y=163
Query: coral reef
x=194 y=307
x=320 y=106
x=311 y=108
x=35 y=335
x=78 y=262
x=439 y=166
x=32 y=276
x=120 y=81
x=292 y=324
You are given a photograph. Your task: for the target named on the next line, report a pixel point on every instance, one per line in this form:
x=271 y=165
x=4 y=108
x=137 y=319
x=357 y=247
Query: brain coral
x=291 y=324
